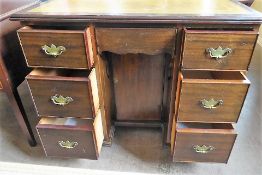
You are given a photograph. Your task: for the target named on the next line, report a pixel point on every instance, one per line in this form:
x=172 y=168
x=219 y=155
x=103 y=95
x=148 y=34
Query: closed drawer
x=222 y=50
x=70 y=137
x=58 y=93
x=71 y=48
x=149 y=41
x=210 y=96
x=203 y=142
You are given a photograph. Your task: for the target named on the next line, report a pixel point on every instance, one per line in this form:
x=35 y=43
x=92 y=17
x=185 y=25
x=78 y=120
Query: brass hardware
x=60 y=100
x=219 y=52
x=211 y=104
x=53 y=50
x=67 y=144
x=203 y=149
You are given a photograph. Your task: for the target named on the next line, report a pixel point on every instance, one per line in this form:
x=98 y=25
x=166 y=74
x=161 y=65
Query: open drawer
x=203 y=142
x=218 y=49
x=71 y=137
x=64 y=93
x=57 y=48
x=210 y=96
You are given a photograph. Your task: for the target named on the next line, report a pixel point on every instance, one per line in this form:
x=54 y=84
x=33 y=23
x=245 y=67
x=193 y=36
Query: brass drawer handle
x=203 y=149
x=60 y=100
x=67 y=144
x=53 y=50
x=219 y=52
x=211 y=104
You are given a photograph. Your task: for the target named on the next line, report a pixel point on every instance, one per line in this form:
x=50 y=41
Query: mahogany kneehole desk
x=152 y=64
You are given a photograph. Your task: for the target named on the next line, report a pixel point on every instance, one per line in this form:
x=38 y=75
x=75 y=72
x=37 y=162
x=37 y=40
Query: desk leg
x=21 y=116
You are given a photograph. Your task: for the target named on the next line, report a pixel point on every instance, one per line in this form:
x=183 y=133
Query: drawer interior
x=205 y=127
x=214 y=75
x=182 y=125
x=66 y=122
x=59 y=73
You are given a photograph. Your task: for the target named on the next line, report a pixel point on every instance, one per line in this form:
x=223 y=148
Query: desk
x=171 y=64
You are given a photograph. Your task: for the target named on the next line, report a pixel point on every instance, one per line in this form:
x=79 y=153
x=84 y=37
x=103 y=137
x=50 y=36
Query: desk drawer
x=151 y=41
x=70 y=137
x=71 y=48
x=212 y=97
x=58 y=93
x=204 y=142
x=201 y=49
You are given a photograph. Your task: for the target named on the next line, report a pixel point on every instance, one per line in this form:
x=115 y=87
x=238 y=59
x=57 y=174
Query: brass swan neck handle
x=53 y=50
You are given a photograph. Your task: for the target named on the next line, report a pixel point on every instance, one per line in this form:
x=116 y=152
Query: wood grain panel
x=221 y=139
x=136 y=40
x=138 y=86
x=197 y=41
x=232 y=92
x=78 y=54
x=85 y=102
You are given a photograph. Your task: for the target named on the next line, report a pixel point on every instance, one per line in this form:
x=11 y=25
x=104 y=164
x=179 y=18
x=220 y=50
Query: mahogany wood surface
x=138 y=86
x=197 y=42
x=78 y=53
x=151 y=41
x=85 y=102
x=221 y=139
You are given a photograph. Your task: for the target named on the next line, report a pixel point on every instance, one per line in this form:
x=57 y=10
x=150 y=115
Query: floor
x=142 y=151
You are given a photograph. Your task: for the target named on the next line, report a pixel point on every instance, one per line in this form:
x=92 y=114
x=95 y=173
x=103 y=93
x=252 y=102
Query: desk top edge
x=243 y=14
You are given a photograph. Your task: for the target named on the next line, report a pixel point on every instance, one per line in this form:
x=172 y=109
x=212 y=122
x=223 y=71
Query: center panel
x=138 y=86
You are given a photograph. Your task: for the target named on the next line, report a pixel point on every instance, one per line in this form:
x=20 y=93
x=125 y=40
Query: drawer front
x=149 y=41
x=71 y=48
x=63 y=140
x=201 y=49
x=211 y=100
x=65 y=97
x=193 y=146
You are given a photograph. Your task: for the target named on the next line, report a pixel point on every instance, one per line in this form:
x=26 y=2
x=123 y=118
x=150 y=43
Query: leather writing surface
x=157 y=7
